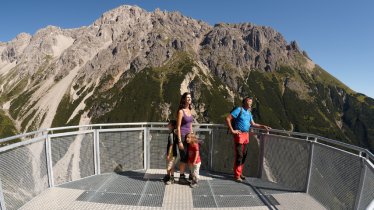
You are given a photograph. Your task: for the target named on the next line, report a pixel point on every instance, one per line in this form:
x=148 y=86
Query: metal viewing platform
x=120 y=166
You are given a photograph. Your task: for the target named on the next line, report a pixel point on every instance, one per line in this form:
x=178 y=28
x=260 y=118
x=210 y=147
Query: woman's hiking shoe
x=170 y=181
x=166 y=179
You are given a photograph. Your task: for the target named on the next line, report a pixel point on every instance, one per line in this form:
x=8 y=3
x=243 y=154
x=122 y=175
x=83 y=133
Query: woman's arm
x=191 y=131
x=179 y=123
x=169 y=153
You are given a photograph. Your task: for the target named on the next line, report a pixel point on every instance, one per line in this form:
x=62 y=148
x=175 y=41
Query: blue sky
x=337 y=34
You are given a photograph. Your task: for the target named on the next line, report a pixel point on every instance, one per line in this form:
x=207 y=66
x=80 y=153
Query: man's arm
x=256 y=125
x=229 y=118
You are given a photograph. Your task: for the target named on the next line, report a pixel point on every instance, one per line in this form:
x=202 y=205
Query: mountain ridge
x=89 y=74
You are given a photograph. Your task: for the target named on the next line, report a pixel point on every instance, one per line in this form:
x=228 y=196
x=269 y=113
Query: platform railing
x=337 y=175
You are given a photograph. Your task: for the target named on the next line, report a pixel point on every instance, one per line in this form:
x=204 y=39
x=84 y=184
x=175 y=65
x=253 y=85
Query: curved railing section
x=338 y=175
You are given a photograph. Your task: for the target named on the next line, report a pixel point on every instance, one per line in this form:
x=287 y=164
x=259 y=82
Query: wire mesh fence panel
x=223 y=153
x=72 y=157
x=205 y=139
x=121 y=151
x=23 y=173
x=286 y=162
x=367 y=193
x=158 y=143
x=335 y=177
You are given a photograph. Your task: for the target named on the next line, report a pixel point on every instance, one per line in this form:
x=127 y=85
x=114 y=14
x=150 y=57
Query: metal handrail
x=306 y=136
x=370 y=154
x=360 y=149
x=11 y=146
x=318 y=139
x=22 y=135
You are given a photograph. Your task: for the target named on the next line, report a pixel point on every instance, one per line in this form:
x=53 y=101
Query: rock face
x=242 y=48
x=132 y=65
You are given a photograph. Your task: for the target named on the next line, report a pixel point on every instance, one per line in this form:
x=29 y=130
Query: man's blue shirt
x=243 y=122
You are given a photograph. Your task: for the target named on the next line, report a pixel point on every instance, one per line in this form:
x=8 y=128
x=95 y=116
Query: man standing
x=243 y=120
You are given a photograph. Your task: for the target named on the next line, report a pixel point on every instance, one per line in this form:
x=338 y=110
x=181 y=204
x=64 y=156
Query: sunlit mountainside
x=132 y=65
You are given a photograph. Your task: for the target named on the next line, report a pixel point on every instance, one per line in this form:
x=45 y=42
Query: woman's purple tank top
x=186 y=125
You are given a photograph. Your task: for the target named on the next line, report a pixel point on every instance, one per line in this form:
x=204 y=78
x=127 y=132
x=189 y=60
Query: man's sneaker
x=238 y=179
x=242 y=177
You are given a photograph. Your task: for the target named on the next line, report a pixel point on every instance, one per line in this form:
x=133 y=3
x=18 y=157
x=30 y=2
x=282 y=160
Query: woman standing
x=184 y=127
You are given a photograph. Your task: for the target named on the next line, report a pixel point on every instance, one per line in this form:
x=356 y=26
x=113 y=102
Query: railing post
x=310 y=164
x=2 y=200
x=361 y=184
x=97 y=149
x=49 y=161
x=95 y=152
x=211 y=150
x=147 y=148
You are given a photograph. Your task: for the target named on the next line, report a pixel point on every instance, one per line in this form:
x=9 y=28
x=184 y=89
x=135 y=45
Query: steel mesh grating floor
x=140 y=190
x=128 y=188
x=225 y=193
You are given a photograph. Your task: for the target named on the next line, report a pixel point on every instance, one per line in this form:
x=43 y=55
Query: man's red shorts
x=242 y=138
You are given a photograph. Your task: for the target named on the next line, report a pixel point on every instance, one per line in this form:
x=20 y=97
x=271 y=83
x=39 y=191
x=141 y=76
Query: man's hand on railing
x=235 y=132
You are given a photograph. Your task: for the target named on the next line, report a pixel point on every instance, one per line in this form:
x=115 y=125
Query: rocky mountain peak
x=131 y=64
x=233 y=50
x=122 y=14
x=22 y=36
x=12 y=50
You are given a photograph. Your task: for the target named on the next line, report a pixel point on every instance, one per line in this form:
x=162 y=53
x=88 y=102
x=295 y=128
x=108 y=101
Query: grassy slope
x=6 y=126
x=66 y=108
x=141 y=98
x=320 y=112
